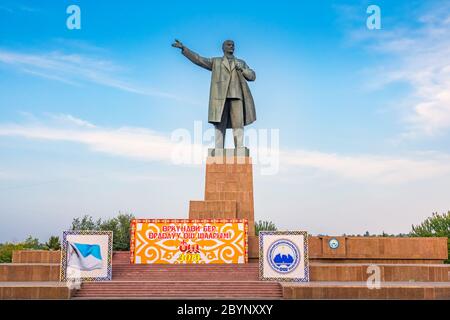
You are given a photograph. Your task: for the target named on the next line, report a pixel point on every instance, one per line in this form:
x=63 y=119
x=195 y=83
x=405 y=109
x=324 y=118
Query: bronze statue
x=230 y=101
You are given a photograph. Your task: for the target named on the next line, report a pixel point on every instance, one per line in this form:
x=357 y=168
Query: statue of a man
x=230 y=101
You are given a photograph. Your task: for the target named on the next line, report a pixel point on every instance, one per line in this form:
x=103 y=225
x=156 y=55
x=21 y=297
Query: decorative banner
x=189 y=241
x=283 y=256
x=86 y=256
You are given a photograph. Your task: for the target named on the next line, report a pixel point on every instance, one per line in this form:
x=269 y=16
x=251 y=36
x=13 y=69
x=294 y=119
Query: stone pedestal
x=228 y=191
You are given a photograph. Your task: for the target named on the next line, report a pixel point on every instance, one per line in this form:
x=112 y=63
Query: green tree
x=85 y=223
x=53 y=243
x=264 y=226
x=6 y=249
x=120 y=226
x=438 y=225
x=33 y=243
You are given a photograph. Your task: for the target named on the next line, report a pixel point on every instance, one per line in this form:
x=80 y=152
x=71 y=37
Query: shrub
x=120 y=226
x=264 y=226
x=438 y=225
x=6 y=249
x=53 y=243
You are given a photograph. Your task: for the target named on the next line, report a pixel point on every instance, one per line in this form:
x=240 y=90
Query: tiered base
x=34 y=275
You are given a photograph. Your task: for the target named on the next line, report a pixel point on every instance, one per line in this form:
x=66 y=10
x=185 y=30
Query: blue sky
x=86 y=115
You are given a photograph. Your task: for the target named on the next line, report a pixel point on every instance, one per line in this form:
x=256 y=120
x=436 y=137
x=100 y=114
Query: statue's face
x=228 y=47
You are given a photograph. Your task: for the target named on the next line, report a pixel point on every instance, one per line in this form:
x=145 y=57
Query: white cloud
x=126 y=142
x=419 y=55
x=28 y=9
x=383 y=169
x=147 y=145
x=76 y=69
x=19 y=7
x=69 y=119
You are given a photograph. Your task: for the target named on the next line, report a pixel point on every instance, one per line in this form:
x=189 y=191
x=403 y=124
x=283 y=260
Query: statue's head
x=228 y=47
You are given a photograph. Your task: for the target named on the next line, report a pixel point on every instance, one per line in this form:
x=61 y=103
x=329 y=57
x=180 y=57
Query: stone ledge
x=380 y=248
x=359 y=290
x=229 y=153
x=228 y=160
x=29 y=272
x=36 y=256
x=35 y=290
x=388 y=272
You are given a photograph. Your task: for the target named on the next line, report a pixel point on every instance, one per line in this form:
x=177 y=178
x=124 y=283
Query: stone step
x=244 y=272
x=34 y=290
x=203 y=278
x=194 y=296
x=204 y=284
x=360 y=290
x=161 y=289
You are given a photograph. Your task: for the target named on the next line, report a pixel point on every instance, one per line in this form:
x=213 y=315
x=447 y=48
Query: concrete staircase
x=181 y=289
x=180 y=281
x=328 y=281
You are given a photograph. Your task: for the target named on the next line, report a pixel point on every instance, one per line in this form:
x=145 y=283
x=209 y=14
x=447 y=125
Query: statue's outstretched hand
x=177 y=44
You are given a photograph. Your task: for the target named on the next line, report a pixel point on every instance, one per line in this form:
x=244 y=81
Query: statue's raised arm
x=194 y=57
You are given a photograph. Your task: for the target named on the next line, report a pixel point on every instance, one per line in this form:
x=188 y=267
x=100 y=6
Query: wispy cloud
x=19 y=7
x=28 y=8
x=147 y=145
x=374 y=168
x=419 y=55
x=77 y=69
x=416 y=53
x=70 y=120
x=136 y=143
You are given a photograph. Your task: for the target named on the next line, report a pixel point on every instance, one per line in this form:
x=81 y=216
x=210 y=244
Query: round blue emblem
x=333 y=243
x=283 y=256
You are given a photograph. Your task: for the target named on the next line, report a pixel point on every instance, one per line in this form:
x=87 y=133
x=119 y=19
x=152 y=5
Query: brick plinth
x=213 y=209
x=228 y=191
x=36 y=256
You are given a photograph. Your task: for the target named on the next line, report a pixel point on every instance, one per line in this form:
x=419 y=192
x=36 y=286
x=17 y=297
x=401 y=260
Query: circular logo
x=283 y=256
x=333 y=243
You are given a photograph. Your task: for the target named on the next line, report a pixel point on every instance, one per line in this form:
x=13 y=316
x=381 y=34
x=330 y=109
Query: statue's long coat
x=220 y=81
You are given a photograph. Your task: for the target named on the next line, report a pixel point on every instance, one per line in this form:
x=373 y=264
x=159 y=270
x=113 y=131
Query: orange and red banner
x=175 y=241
